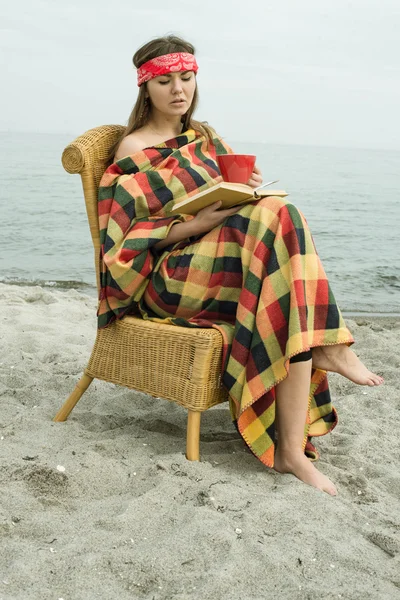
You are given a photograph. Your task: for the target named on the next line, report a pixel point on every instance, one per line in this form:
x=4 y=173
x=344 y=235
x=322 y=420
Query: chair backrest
x=87 y=155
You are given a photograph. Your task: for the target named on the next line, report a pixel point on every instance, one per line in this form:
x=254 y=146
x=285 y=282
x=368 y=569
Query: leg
x=193 y=435
x=291 y=406
x=69 y=404
x=339 y=358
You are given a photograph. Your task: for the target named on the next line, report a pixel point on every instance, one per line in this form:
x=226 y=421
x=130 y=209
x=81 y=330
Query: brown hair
x=141 y=110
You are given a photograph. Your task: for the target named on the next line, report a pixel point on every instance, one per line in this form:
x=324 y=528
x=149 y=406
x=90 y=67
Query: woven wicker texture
x=176 y=363
x=87 y=155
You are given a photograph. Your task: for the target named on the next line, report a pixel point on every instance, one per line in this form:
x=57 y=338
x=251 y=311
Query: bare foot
x=340 y=359
x=299 y=465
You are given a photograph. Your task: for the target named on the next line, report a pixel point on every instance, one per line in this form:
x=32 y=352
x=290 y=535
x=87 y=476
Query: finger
x=254 y=182
x=230 y=211
x=257 y=176
x=215 y=206
x=256 y=170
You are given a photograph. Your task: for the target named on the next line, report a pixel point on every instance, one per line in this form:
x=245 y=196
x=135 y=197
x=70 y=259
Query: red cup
x=236 y=168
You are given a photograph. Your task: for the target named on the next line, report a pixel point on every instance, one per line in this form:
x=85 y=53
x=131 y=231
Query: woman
x=252 y=271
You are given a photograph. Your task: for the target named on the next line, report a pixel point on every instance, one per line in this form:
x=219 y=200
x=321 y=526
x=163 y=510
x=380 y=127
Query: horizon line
x=263 y=142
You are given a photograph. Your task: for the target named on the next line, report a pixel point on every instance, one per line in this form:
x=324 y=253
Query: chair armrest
x=92 y=146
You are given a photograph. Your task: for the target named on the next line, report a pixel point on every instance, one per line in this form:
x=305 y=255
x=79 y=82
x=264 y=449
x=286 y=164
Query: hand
x=256 y=178
x=210 y=217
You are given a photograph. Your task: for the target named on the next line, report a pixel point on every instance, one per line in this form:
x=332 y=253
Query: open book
x=231 y=194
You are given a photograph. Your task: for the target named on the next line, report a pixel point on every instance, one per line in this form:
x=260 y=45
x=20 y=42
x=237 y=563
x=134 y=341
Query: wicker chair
x=176 y=363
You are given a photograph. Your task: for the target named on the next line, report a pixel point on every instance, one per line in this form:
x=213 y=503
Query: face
x=172 y=94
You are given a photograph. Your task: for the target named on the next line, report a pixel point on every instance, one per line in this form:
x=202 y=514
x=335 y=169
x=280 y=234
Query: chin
x=178 y=111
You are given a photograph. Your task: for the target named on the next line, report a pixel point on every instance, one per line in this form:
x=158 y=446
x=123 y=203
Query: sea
x=349 y=196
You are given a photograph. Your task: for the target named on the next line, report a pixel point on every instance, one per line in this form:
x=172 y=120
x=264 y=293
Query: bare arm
x=205 y=220
x=178 y=232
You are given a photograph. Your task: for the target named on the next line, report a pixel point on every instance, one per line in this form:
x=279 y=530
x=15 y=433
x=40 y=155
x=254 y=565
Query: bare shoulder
x=134 y=142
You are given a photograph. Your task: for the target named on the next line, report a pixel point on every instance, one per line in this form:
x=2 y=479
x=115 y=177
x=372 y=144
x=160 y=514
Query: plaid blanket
x=257 y=278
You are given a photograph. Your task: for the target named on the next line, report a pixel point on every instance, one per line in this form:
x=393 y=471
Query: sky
x=310 y=72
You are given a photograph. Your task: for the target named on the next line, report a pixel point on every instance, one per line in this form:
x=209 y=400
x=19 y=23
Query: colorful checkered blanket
x=257 y=278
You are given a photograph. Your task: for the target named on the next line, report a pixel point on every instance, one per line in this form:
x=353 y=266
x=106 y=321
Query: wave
x=68 y=284
x=391 y=281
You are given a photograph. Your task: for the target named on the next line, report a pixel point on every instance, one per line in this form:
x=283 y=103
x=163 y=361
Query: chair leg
x=193 y=435
x=69 y=404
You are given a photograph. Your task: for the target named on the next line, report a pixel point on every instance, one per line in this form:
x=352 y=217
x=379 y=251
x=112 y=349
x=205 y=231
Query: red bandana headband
x=168 y=63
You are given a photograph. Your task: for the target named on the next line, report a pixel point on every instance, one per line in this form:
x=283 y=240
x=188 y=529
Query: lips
x=178 y=102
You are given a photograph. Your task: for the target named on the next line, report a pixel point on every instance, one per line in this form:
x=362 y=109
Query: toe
x=331 y=490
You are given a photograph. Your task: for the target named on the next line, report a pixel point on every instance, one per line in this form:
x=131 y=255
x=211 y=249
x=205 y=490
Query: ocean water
x=350 y=197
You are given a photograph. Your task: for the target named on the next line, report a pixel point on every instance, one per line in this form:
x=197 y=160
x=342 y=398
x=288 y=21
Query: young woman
x=252 y=272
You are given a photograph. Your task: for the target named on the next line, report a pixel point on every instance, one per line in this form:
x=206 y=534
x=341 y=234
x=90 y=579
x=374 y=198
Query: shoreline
x=91 y=291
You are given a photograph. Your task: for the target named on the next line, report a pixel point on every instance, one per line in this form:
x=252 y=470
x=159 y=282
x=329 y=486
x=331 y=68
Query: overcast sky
x=290 y=71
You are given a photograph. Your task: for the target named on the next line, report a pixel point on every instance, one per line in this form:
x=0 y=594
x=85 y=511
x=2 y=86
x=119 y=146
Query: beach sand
x=105 y=505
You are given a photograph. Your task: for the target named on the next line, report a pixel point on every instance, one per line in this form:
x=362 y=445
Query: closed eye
x=182 y=79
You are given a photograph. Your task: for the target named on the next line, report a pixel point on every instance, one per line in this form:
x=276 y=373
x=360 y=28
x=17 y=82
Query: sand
x=106 y=506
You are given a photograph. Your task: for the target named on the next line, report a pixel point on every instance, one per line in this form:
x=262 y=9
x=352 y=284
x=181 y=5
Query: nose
x=176 y=85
